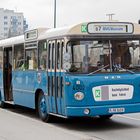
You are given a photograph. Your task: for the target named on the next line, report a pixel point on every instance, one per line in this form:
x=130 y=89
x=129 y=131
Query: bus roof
x=124 y=28
x=12 y=40
x=87 y=28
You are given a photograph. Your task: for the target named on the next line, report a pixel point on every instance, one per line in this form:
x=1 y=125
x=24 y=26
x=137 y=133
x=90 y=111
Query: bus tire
x=105 y=117
x=2 y=104
x=42 y=108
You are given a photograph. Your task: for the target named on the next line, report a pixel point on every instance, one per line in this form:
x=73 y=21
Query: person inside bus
x=20 y=60
x=121 y=48
x=34 y=60
x=43 y=61
x=139 y=60
x=86 y=65
x=117 y=64
x=99 y=64
x=27 y=62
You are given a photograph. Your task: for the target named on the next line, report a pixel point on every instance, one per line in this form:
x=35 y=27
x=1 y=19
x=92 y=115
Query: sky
x=39 y=13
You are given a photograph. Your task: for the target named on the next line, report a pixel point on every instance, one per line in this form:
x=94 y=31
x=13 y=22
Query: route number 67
x=98 y=28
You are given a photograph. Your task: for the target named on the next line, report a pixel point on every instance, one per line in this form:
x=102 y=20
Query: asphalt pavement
x=18 y=123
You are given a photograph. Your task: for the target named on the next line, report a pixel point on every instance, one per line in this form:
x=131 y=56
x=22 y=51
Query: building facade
x=11 y=23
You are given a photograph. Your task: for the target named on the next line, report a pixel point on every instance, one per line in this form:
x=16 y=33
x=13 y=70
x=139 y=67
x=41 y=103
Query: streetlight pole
x=54 y=13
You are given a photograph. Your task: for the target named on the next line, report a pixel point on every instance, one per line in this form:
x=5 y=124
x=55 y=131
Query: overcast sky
x=39 y=13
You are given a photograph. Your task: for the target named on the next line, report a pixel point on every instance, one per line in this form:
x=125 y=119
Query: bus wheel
x=105 y=117
x=2 y=104
x=42 y=108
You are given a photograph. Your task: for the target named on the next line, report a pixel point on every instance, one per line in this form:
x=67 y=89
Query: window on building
x=5 y=34
x=5 y=23
x=5 y=17
x=19 y=23
x=5 y=28
x=13 y=17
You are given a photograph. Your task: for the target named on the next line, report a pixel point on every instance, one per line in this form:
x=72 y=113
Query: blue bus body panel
x=87 y=83
x=102 y=110
x=25 y=84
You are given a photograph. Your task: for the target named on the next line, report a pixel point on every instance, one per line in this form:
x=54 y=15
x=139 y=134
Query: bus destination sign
x=110 y=28
x=31 y=35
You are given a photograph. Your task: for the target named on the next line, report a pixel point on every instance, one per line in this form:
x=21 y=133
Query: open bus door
x=7 y=74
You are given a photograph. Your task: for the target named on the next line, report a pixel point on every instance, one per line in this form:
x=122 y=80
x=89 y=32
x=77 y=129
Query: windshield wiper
x=98 y=69
x=136 y=67
x=130 y=71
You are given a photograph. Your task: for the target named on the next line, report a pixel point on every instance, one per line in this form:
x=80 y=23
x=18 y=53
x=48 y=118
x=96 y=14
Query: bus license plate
x=116 y=110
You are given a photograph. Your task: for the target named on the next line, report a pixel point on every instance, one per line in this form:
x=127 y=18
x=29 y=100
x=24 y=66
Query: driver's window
x=135 y=53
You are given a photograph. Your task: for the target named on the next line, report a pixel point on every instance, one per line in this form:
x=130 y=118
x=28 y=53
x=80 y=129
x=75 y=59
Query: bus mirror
x=66 y=66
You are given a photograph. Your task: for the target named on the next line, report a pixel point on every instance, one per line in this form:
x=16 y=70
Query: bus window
x=42 y=49
x=1 y=58
x=49 y=56
x=88 y=56
x=53 y=56
x=58 y=55
x=19 y=56
x=62 y=52
x=103 y=56
x=126 y=52
x=31 y=59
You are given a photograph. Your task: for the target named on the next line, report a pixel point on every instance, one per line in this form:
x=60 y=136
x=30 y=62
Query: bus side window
x=58 y=56
x=19 y=56
x=62 y=52
x=1 y=58
x=31 y=59
x=42 y=57
x=49 y=56
x=53 y=56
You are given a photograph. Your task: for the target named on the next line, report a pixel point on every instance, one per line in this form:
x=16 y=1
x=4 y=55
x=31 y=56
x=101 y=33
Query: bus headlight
x=79 y=96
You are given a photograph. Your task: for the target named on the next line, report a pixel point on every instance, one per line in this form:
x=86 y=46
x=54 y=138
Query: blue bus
x=85 y=70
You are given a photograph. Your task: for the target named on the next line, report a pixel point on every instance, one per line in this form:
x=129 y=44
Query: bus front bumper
x=102 y=110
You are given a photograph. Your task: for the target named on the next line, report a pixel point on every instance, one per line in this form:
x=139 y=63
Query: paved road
x=18 y=123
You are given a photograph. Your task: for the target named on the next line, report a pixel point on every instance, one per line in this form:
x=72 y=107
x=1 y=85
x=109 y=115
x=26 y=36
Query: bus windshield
x=101 y=56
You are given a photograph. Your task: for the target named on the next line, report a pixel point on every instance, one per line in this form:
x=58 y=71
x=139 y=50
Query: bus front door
x=55 y=78
x=7 y=74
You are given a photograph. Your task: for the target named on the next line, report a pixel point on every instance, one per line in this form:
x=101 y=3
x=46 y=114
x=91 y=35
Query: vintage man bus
x=89 y=69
